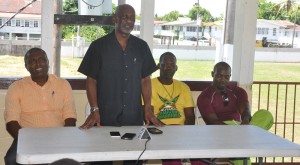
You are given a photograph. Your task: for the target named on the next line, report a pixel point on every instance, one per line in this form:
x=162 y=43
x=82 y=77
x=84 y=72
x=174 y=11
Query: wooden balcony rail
x=282 y=99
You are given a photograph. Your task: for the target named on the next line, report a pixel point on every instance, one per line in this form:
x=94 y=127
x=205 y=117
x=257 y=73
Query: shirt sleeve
x=91 y=62
x=204 y=104
x=12 y=110
x=69 y=105
x=242 y=95
x=149 y=65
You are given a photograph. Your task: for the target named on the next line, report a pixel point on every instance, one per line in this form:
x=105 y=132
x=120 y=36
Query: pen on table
x=53 y=93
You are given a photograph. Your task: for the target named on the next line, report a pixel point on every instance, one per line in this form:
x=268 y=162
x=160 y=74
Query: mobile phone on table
x=115 y=134
x=128 y=136
x=154 y=130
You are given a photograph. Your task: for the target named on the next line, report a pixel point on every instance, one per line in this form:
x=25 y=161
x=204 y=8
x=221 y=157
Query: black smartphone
x=154 y=130
x=115 y=134
x=128 y=136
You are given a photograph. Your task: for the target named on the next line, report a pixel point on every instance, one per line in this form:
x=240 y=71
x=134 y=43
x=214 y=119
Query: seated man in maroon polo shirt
x=221 y=103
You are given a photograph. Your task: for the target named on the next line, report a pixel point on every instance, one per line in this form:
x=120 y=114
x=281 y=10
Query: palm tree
x=286 y=6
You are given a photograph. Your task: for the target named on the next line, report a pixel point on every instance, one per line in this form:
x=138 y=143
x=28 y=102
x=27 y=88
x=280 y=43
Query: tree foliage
x=203 y=14
x=270 y=11
x=284 y=10
x=70 y=7
x=172 y=16
x=90 y=32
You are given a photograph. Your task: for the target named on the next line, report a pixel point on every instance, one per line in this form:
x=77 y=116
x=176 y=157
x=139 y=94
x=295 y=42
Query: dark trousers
x=11 y=155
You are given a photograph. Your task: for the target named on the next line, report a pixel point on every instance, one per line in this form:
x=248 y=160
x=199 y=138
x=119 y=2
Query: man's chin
x=221 y=87
x=127 y=31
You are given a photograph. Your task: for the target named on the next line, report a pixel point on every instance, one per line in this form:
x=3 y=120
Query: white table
x=45 y=145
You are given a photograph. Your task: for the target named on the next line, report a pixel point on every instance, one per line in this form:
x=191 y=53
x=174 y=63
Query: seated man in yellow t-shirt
x=172 y=100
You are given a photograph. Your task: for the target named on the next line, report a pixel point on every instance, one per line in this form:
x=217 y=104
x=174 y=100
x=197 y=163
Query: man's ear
x=176 y=68
x=26 y=67
x=114 y=19
x=212 y=73
x=158 y=66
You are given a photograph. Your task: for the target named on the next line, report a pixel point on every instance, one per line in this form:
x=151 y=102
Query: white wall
x=208 y=53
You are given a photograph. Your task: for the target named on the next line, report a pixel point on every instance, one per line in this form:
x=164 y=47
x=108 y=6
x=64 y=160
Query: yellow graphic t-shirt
x=169 y=101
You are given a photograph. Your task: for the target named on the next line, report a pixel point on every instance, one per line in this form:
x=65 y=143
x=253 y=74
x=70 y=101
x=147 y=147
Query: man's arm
x=91 y=90
x=207 y=112
x=189 y=116
x=244 y=107
x=147 y=93
x=212 y=119
x=13 y=128
x=245 y=113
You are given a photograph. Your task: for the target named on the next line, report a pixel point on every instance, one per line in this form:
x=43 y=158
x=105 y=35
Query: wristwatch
x=93 y=109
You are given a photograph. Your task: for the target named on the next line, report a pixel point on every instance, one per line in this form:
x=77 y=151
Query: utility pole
x=294 y=27
x=57 y=32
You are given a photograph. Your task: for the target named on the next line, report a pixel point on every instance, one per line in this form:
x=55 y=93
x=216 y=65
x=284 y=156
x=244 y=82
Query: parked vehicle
x=264 y=42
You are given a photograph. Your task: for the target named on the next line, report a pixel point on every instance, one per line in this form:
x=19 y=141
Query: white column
x=147 y=21
x=228 y=33
x=244 y=43
x=121 y=2
x=47 y=30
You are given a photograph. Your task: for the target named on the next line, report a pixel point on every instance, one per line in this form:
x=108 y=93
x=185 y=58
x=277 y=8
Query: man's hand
x=149 y=117
x=245 y=122
x=94 y=118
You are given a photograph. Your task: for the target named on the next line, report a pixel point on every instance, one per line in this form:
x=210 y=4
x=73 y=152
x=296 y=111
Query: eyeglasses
x=225 y=98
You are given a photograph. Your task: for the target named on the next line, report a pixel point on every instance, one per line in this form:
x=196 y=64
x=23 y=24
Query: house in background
x=26 y=25
x=275 y=31
x=278 y=31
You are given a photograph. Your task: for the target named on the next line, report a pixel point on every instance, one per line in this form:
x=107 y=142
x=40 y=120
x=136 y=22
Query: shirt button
x=125 y=54
x=125 y=92
x=125 y=79
x=126 y=66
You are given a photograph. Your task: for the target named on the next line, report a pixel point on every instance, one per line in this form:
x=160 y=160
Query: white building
x=22 y=27
x=274 y=30
x=25 y=25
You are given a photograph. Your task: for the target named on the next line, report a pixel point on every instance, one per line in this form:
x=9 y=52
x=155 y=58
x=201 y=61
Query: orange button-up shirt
x=33 y=106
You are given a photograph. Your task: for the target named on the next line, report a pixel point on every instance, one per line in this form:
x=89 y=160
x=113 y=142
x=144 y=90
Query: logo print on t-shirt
x=168 y=109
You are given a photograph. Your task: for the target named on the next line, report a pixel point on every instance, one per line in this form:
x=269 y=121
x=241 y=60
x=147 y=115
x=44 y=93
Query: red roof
x=282 y=22
x=12 y=6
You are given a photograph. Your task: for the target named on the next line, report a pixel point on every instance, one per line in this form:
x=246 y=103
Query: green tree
x=70 y=7
x=92 y=33
x=172 y=16
x=204 y=14
x=284 y=10
x=267 y=10
x=295 y=14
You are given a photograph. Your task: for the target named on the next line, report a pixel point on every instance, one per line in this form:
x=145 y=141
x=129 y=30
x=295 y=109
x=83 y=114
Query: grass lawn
x=187 y=70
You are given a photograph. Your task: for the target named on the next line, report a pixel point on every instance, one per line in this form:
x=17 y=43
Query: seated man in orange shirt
x=39 y=100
